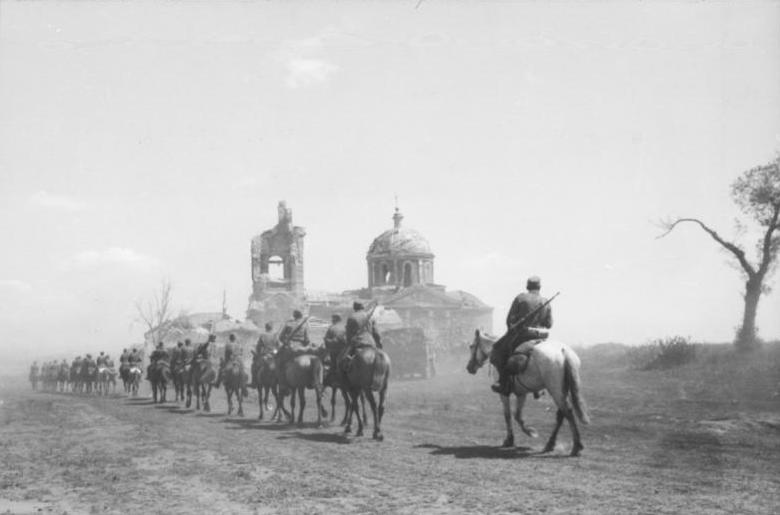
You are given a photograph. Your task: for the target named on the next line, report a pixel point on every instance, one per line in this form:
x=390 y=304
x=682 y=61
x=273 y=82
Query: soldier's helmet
x=297 y=314
x=232 y=337
x=212 y=337
x=357 y=306
x=533 y=283
x=180 y=344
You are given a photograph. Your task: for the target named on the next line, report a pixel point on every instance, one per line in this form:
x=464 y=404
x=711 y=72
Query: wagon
x=411 y=353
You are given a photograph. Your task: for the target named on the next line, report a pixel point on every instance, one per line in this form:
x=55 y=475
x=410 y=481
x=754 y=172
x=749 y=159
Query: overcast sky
x=153 y=139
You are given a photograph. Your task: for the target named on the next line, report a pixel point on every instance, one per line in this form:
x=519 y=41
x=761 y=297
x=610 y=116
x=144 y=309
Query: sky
x=149 y=140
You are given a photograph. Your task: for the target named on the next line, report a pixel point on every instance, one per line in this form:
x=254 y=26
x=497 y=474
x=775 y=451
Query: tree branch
x=768 y=249
x=731 y=247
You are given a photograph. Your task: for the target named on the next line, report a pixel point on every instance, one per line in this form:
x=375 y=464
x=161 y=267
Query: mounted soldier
x=528 y=323
x=233 y=354
x=335 y=337
x=360 y=331
x=159 y=354
x=134 y=358
x=177 y=355
x=101 y=360
x=267 y=343
x=187 y=352
x=294 y=339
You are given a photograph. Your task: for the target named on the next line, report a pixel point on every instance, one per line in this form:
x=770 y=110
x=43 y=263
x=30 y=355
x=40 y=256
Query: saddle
x=518 y=360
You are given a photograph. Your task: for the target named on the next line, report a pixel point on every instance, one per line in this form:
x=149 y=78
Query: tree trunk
x=747 y=337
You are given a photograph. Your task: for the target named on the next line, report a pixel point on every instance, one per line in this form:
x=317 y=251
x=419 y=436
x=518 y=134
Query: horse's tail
x=571 y=384
x=317 y=374
x=381 y=370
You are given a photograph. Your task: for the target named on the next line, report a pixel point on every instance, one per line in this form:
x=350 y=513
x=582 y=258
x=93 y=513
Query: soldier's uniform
x=187 y=352
x=159 y=354
x=336 y=338
x=177 y=355
x=360 y=331
x=101 y=360
x=233 y=353
x=267 y=342
x=134 y=358
x=522 y=340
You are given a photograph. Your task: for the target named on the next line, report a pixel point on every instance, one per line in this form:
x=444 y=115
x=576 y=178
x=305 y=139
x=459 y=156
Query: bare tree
x=156 y=313
x=757 y=194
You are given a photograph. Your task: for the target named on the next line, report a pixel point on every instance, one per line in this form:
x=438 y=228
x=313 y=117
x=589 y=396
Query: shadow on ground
x=338 y=438
x=479 y=451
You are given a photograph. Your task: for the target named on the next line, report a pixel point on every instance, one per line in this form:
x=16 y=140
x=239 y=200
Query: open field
x=704 y=438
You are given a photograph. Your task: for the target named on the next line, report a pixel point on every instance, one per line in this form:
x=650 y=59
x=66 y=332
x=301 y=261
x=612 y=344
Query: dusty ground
x=660 y=442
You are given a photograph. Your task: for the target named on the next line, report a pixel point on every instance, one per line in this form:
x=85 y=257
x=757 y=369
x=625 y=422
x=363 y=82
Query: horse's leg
x=240 y=397
x=382 y=396
x=259 y=388
x=302 y=398
x=519 y=403
x=292 y=406
x=347 y=406
x=558 y=421
x=363 y=405
x=509 y=441
x=320 y=408
x=575 y=432
x=356 y=395
x=333 y=393
x=229 y=394
x=372 y=402
x=206 y=397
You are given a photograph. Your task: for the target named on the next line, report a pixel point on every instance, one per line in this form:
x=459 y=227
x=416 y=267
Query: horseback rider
x=34 y=375
x=335 y=339
x=187 y=352
x=203 y=352
x=360 y=331
x=159 y=354
x=232 y=354
x=124 y=358
x=294 y=338
x=134 y=359
x=521 y=341
x=177 y=355
x=267 y=343
x=101 y=360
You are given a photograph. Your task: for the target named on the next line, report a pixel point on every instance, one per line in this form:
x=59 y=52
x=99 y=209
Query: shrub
x=662 y=353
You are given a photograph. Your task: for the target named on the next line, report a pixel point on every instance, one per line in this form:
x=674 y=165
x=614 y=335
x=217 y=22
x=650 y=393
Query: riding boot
x=503 y=386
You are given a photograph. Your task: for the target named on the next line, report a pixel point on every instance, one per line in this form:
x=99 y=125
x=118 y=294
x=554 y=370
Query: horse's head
x=479 y=352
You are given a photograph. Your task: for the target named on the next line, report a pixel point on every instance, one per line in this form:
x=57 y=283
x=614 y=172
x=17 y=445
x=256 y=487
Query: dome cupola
x=399 y=257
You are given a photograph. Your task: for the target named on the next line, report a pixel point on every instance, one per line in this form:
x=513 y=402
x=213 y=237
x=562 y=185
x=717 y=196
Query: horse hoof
x=347 y=430
x=379 y=437
x=240 y=413
x=508 y=443
x=549 y=448
x=359 y=433
x=575 y=450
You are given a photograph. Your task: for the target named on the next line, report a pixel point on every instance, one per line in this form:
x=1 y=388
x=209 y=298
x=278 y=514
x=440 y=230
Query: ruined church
x=400 y=271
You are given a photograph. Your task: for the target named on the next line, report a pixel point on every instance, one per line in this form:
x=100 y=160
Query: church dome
x=399 y=241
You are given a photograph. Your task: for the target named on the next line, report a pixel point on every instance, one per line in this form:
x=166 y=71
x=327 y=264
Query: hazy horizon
x=151 y=140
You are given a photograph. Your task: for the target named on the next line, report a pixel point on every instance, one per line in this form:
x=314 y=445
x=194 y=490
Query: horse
x=134 y=375
x=88 y=375
x=368 y=371
x=124 y=375
x=63 y=376
x=233 y=377
x=181 y=378
x=160 y=376
x=301 y=372
x=106 y=377
x=335 y=380
x=202 y=377
x=267 y=381
x=552 y=366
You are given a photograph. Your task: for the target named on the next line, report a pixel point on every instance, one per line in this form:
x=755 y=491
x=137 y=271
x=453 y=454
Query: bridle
x=478 y=346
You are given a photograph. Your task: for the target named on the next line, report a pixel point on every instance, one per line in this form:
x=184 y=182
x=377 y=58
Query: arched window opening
x=276 y=268
x=385 y=274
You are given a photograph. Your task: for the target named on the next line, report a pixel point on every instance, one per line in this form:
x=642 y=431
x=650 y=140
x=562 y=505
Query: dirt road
x=656 y=445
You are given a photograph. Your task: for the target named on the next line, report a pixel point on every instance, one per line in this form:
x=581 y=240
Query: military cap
x=533 y=283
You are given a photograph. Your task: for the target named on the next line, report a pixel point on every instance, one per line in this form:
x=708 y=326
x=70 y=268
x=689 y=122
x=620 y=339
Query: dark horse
x=181 y=378
x=89 y=375
x=368 y=372
x=264 y=371
x=202 y=377
x=302 y=372
x=553 y=366
x=233 y=376
x=160 y=376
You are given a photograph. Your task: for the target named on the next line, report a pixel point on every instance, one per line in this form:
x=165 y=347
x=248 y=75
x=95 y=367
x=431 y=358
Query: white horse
x=553 y=366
